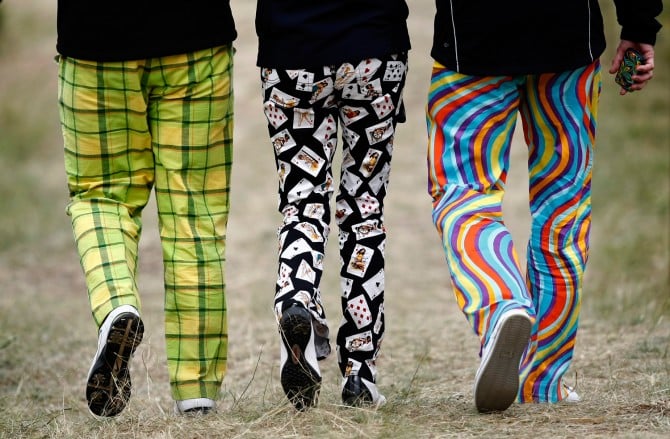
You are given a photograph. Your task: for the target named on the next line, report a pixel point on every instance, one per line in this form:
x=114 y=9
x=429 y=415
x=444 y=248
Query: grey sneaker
x=497 y=379
x=108 y=382
x=299 y=369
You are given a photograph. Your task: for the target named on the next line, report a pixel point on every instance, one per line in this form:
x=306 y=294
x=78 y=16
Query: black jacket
x=135 y=29
x=492 y=37
x=296 y=34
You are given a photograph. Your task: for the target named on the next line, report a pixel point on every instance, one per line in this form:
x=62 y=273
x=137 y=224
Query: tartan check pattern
x=164 y=124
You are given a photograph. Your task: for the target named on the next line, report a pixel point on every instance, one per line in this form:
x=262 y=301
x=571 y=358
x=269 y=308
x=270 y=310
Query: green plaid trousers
x=165 y=124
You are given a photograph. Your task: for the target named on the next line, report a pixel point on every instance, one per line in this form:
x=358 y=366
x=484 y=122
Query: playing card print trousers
x=165 y=124
x=305 y=110
x=470 y=125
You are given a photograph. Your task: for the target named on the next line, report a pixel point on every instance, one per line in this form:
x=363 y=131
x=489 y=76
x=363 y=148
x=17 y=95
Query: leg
x=370 y=107
x=191 y=118
x=470 y=123
x=559 y=116
x=109 y=168
x=303 y=129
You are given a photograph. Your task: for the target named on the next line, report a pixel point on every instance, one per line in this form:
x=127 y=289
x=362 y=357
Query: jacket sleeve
x=638 y=19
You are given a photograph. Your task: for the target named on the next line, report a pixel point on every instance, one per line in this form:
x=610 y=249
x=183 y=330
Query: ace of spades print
x=375 y=285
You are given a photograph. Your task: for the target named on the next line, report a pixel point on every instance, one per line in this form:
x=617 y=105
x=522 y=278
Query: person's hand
x=644 y=72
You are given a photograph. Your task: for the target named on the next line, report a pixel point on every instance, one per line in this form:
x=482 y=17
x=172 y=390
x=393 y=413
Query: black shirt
x=296 y=34
x=135 y=29
x=489 y=37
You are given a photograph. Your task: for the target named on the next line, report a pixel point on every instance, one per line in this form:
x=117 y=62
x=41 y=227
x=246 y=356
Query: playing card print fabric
x=305 y=110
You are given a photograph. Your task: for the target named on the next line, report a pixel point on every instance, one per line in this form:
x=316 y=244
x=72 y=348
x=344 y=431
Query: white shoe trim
x=104 y=331
x=182 y=406
x=569 y=394
x=310 y=353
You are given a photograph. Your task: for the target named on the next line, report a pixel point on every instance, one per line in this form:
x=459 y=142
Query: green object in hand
x=628 y=67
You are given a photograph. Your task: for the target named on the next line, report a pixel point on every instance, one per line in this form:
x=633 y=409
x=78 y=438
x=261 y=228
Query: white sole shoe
x=299 y=368
x=108 y=382
x=569 y=395
x=497 y=379
x=194 y=406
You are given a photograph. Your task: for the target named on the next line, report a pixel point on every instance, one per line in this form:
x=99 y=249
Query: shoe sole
x=108 y=384
x=497 y=382
x=301 y=382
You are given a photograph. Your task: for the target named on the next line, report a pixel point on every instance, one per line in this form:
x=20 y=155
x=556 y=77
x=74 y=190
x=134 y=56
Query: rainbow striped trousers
x=470 y=122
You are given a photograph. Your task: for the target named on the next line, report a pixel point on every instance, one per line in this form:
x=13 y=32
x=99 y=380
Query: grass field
x=47 y=336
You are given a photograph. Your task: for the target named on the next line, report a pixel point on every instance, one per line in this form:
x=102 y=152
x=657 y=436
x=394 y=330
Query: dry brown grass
x=47 y=337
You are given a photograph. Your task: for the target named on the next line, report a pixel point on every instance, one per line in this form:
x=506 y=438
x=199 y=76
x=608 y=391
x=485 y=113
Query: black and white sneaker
x=108 y=382
x=299 y=368
x=497 y=379
x=359 y=392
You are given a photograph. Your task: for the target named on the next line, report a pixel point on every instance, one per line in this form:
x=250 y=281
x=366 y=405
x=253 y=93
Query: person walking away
x=146 y=102
x=327 y=67
x=494 y=61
